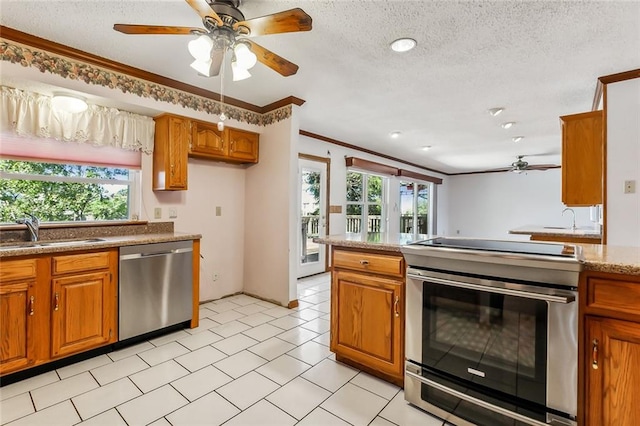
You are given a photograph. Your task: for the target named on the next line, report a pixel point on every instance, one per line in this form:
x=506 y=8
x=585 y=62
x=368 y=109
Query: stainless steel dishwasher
x=155 y=287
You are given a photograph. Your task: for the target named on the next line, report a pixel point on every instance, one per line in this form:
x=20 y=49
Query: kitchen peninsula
x=580 y=235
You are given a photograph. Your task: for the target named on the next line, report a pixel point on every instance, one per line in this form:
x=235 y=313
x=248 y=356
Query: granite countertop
x=596 y=257
x=41 y=247
x=558 y=231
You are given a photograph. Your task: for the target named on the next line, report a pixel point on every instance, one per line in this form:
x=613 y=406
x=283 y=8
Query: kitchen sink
x=57 y=243
x=557 y=227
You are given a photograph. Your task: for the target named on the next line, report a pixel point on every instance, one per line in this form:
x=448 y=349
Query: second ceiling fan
x=226 y=29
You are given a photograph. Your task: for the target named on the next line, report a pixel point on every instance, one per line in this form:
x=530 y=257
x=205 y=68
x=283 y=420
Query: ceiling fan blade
x=288 y=21
x=156 y=29
x=203 y=9
x=273 y=61
x=542 y=166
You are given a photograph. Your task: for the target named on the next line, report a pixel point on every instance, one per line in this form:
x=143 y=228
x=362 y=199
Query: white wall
x=490 y=204
x=623 y=162
x=338 y=188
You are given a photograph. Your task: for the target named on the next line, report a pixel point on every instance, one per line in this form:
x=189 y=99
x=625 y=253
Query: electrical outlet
x=157 y=213
x=218 y=211
x=629 y=186
x=173 y=213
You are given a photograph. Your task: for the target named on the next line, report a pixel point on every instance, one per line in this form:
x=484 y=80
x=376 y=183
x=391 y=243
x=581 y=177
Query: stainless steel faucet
x=573 y=218
x=33 y=225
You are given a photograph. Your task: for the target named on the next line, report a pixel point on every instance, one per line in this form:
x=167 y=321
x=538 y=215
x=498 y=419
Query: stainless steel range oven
x=491 y=331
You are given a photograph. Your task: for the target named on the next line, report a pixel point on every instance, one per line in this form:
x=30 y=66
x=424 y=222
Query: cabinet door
x=582 y=158
x=17 y=307
x=207 y=140
x=613 y=373
x=366 y=320
x=243 y=146
x=178 y=153
x=83 y=314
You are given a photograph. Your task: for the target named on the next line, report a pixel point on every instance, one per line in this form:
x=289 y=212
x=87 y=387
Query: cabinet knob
x=32 y=305
x=594 y=354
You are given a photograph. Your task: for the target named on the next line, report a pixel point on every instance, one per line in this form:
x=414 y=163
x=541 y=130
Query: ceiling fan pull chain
x=222 y=115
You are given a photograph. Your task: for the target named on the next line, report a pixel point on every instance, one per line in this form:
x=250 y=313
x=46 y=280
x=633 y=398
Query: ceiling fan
x=520 y=165
x=225 y=28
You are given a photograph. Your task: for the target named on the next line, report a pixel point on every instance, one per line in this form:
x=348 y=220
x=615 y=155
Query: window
x=415 y=207
x=365 y=202
x=66 y=192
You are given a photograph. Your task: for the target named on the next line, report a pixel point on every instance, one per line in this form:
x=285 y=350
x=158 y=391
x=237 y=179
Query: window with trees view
x=64 y=192
x=365 y=202
x=414 y=207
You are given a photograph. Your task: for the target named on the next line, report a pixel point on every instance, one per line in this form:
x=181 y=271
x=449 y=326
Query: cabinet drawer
x=619 y=296
x=369 y=262
x=18 y=269
x=79 y=262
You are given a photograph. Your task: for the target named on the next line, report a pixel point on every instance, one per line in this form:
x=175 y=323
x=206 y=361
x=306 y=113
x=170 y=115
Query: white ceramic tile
x=330 y=374
x=288 y=322
x=307 y=314
x=302 y=305
x=355 y=405
x=234 y=344
x=104 y=398
x=256 y=319
x=272 y=348
x=298 y=397
x=250 y=309
x=401 y=413
x=204 y=312
x=163 y=353
x=379 y=421
x=283 y=369
x=162 y=340
x=318 y=325
x=305 y=292
x=238 y=364
x=200 y=358
x=230 y=328
x=82 y=366
x=63 y=413
x=310 y=352
x=199 y=340
x=130 y=350
x=108 y=418
x=158 y=375
x=375 y=385
x=201 y=382
x=224 y=305
x=314 y=298
x=326 y=317
x=211 y=409
x=151 y=406
x=267 y=305
x=54 y=393
x=243 y=299
x=262 y=414
x=160 y=422
x=28 y=384
x=320 y=417
x=277 y=312
x=298 y=335
x=262 y=332
x=226 y=317
x=247 y=390
x=323 y=339
x=111 y=372
x=324 y=307
x=16 y=407
x=203 y=325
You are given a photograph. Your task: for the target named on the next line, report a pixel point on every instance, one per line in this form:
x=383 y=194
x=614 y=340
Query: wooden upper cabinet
x=582 y=158
x=170 y=153
x=207 y=140
x=243 y=145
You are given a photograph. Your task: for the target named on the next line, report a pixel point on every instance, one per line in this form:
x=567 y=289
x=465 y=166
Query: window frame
x=431 y=214
x=365 y=203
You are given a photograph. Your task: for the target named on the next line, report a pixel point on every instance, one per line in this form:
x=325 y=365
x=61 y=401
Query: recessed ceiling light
x=495 y=111
x=508 y=124
x=403 y=44
x=426 y=148
x=517 y=138
x=395 y=135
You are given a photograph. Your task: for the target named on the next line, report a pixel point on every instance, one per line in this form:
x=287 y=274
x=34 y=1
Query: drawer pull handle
x=364 y=262
x=32 y=305
x=594 y=354
x=396 y=307
x=56 y=306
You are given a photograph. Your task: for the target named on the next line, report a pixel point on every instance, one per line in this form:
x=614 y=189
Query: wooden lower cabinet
x=367 y=314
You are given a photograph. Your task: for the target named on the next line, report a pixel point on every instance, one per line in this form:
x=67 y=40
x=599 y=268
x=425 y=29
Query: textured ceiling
x=538 y=59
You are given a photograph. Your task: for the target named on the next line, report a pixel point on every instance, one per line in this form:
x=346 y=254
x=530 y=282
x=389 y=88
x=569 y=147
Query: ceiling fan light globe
x=245 y=58
x=68 y=103
x=200 y=48
x=203 y=67
x=239 y=73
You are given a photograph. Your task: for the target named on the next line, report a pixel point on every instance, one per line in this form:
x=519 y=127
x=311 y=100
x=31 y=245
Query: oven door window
x=494 y=340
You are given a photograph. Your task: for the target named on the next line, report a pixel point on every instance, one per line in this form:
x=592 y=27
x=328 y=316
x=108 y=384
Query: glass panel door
x=312 y=220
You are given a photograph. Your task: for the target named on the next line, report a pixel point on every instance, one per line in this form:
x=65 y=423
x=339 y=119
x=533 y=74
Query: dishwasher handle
x=155 y=254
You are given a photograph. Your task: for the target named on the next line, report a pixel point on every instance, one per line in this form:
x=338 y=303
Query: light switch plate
x=218 y=211
x=629 y=186
x=173 y=213
x=157 y=213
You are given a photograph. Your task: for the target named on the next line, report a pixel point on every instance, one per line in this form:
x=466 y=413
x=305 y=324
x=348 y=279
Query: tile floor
x=249 y=363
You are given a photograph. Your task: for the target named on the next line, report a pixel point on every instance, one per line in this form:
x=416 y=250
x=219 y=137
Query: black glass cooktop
x=521 y=247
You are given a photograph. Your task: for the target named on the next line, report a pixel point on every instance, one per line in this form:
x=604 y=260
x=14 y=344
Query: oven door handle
x=475 y=401
x=507 y=291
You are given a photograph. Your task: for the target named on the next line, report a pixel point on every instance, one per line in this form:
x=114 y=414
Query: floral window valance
x=31 y=115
